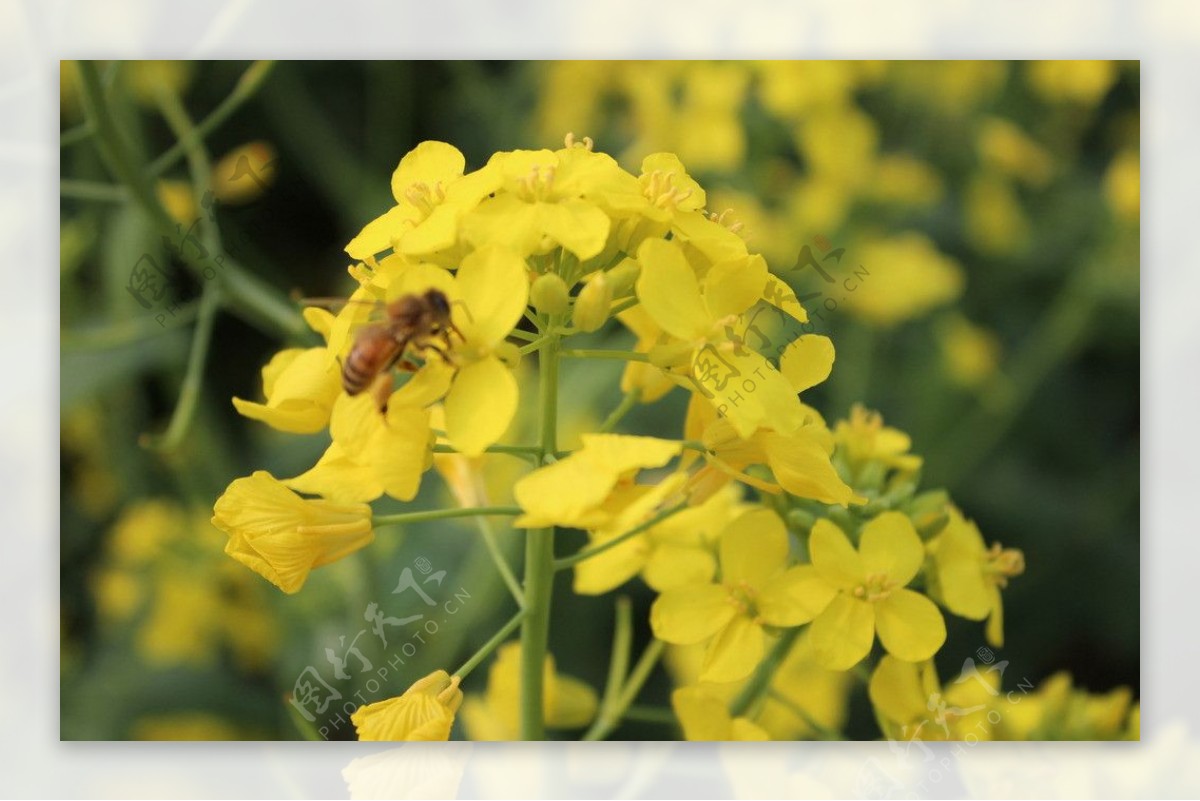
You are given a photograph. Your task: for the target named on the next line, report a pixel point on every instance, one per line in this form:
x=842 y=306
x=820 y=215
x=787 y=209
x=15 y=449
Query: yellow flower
x=300 y=384
x=1076 y=81
x=969 y=575
x=1005 y=147
x=281 y=536
x=1123 y=186
x=801 y=694
x=424 y=712
x=178 y=199
x=970 y=352
x=700 y=315
x=799 y=461
x=185 y=726
x=906 y=278
x=868 y=590
x=568 y=703
x=912 y=705
x=840 y=145
x=756 y=588
x=995 y=221
x=548 y=199
x=574 y=491
x=488 y=295
x=181 y=595
x=427 y=186
x=905 y=181
x=244 y=173
x=1059 y=711
x=864 y=438
x=651 y=382
x=704 y=716
x=679 y=550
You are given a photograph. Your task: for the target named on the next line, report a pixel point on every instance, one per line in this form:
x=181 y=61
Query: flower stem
x=244 y=294
x=497 y=554
x=588 y=553
x=245 y=89
x=609 y=719
x=627 y=403
x=623 y=355
x=491 y=645
x=539 y=558
x=618 y=664
x=761 y=679
x=442 y=514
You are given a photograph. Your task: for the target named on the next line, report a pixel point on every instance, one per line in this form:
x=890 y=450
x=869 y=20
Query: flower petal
x=890 y=545
x=703 y=715
x=731 y=287
x=910 y=625
x=753 y=548
x=747 y=390
x=669 y=291
x=896 y=691
x=807 y=361
x=577 y=225
x=801 y=465
x=480 y=406
x=428 y=163
x=795 y=596
x=735 y=651
x=842 y=635
x=493 y=288
x=834 y=557
x=672 y=565
x=691 y=613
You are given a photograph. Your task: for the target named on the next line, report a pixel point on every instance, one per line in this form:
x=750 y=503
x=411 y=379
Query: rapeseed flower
x=425 y=711
x=911 y=703
x=968 y=575
x=867 y=594
x=283 y=537
x=704 y=716
x=756 y=588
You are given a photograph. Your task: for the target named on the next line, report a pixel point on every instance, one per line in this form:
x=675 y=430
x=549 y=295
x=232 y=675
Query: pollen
x=725 y=219
x=1004 y=563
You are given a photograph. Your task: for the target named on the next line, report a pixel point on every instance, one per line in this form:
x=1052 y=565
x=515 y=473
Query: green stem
x=618 y=663
x=497 y=554
x=610 y=719
x=442 y=514
x=623 y=408
x=587 y=553
x=247 y=295
x=651 y=714
x=527 y=451
x=628 y=303
x=539 y=560
x=761 y=679
x=75 y=135
x=92 y=190
x=823 y=732
x=623 y=355
x=189 y=390
x=245 y=89
x=200 y=168
x=124 y=332
x=491 y=645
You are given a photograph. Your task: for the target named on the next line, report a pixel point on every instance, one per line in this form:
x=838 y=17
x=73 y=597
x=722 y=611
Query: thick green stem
x=443 y=514
x=621 y=355
x=539 y=561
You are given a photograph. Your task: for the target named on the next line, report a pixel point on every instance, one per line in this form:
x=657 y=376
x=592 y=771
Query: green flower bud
x=593 y=304
x=549 y=294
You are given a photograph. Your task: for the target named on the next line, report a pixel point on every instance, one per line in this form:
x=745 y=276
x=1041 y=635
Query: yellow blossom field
x=600 y=400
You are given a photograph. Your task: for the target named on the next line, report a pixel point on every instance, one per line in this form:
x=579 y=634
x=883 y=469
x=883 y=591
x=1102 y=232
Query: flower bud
x=549 y=294
x=622 y=277
x=593 y=304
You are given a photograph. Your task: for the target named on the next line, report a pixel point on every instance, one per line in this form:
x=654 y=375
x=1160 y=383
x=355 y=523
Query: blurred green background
x=986 y=215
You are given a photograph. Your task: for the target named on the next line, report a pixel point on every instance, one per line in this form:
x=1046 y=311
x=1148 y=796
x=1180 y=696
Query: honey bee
x=413 y=322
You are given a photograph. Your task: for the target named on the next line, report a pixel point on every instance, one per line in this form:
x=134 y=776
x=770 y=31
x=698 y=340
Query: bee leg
x=440 y=352
x=408 y=365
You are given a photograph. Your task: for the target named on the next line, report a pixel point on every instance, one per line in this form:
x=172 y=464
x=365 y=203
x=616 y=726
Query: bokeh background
x=986 y=215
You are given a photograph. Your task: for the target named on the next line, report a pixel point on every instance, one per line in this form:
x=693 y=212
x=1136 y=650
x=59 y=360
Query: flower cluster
x=781 y=549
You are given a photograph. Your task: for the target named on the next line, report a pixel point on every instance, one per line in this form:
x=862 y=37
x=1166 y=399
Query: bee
x=416 y=322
